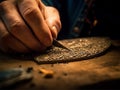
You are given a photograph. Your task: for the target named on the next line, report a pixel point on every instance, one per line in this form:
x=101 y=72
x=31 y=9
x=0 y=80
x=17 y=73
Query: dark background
x=107 y=13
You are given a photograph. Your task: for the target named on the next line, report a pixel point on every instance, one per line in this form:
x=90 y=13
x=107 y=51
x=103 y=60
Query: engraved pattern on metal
x=81 y=48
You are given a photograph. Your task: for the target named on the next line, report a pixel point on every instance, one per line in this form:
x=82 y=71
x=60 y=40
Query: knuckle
x=3 y=34
x=3 y=5
x=58 y=25
x=29 y=11
x=16 y=24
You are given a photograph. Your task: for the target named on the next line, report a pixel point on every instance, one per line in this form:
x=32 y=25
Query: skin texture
x=27 y=26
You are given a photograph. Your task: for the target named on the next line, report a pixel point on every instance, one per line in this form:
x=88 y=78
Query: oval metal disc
x=81 y=48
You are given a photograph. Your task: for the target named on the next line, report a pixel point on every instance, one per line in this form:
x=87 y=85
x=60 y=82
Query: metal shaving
x=81 y=48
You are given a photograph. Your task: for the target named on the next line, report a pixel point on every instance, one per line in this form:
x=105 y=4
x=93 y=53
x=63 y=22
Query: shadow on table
x=104 y=85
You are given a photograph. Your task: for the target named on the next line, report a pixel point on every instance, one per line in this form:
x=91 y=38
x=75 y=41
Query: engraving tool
x=58 y=44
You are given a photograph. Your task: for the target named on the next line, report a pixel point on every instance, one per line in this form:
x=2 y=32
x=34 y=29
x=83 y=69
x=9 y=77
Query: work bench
x=102 y=72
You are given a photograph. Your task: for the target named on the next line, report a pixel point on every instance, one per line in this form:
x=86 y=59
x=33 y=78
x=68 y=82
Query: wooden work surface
x=101 y=72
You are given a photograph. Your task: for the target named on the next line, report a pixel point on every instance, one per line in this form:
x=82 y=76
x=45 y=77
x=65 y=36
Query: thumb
x=54 y=28
x=52 y=19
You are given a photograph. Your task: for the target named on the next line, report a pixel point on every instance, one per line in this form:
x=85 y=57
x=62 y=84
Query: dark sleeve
x=54 y=3
x=48 y=2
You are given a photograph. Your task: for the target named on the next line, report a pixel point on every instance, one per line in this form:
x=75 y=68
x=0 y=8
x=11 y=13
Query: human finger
x=52 y=18
x=30 y=11
x=8 y=43
x=17 y=27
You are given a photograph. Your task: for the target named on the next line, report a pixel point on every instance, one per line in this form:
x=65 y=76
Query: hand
x=27 y=25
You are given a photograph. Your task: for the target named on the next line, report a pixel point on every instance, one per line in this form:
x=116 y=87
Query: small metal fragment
x=46 y=73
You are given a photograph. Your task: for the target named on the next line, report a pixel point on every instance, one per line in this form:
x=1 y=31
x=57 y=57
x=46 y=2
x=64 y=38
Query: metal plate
x=81 y=48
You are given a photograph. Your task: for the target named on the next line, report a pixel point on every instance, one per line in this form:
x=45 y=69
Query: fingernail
x=54 y=28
